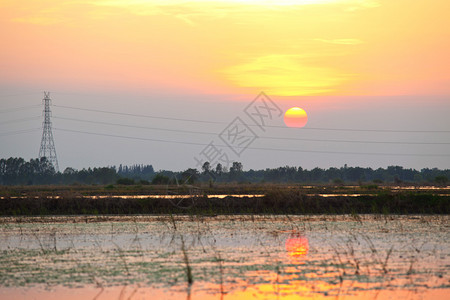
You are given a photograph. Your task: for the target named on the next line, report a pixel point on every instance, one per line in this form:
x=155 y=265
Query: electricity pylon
x=47 y=144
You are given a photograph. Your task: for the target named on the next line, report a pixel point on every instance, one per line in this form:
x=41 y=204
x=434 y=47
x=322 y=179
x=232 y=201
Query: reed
x=189 y=276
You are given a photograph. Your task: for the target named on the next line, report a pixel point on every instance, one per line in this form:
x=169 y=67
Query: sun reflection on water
x=297 y=245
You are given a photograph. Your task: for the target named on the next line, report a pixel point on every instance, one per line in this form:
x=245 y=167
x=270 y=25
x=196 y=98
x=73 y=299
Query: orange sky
x=285 y=48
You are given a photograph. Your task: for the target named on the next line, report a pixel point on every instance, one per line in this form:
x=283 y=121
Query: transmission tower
x=47 y=144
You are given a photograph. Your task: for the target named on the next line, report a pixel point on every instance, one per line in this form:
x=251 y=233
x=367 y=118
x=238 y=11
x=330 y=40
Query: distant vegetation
x=272 y=199
x=17 y=171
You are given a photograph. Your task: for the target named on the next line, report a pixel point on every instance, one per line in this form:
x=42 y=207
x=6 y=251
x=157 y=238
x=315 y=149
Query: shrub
x=125 y=181
x=160 y=179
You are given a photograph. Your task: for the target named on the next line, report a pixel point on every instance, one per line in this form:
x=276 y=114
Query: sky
x=175 y=83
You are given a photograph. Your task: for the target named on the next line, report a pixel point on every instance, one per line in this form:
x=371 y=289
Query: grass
x=278 y=199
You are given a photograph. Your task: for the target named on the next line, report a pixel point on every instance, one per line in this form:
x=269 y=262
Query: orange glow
x=295 y=117
x=285 y=48
x=297 y=246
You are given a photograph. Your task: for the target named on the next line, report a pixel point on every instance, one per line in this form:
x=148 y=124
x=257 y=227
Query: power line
x=356 y=141
x=140 y=116
x=19 y=95
x=132 y=138
x=134 y=126
x=20 y=120
x=19 y=108
x=262 y=137
x=19 y=131
x=272 y=126
x=252 y=148
x=372 y=130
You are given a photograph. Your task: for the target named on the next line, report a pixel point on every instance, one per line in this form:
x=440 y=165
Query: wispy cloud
x=51 y=12
x=215 y=8
x=285 y=75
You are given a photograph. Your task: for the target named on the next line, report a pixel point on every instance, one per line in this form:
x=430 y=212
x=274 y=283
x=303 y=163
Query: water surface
x=229 y=257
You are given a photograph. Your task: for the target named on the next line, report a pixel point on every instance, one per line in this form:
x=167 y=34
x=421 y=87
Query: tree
x=236 y=167
x=160 y=179
x=206 y=167
x=69 y=171
x=190 y=176
x=236 y=171
x=219 y=169
x=104 y=175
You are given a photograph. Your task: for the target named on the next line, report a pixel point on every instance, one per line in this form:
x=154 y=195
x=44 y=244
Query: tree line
x=17 y=171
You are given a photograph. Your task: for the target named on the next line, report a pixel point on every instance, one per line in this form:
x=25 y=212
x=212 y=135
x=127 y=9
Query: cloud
x=284 y=75
x=216 y=8
x=56 y=11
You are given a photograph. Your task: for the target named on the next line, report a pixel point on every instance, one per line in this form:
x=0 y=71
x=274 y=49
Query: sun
x=295 y=117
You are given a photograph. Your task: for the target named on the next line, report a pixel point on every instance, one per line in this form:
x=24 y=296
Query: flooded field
x=225 y=257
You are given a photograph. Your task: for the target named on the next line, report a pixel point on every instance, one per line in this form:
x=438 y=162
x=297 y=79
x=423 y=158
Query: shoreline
x=78 y=219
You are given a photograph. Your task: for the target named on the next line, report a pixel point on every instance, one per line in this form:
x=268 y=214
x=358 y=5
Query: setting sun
x=295 y=117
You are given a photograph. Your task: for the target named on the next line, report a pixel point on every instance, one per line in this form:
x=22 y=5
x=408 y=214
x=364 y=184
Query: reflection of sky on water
x=246 y=258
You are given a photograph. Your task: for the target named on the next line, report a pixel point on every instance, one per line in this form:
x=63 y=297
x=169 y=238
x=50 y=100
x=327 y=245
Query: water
x=230 y=257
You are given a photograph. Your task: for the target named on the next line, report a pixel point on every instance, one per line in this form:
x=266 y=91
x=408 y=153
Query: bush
x=160 y=179
x=441 y=180
x=125 y=181
x=338 y=181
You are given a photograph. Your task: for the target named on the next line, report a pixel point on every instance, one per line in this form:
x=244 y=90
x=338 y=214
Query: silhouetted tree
x=219 y=169
x=190 y=176
x=206 y=167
